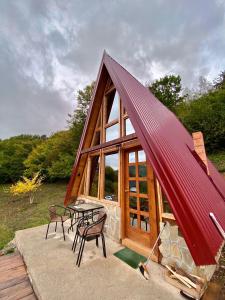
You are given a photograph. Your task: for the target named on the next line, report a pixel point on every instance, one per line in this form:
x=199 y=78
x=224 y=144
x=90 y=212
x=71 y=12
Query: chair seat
x=95 y=230
x=60 y=219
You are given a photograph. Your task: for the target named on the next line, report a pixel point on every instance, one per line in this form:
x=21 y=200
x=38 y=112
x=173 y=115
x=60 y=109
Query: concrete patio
x=54 y=275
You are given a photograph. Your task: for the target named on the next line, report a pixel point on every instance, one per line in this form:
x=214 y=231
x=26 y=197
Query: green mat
x=130 y=257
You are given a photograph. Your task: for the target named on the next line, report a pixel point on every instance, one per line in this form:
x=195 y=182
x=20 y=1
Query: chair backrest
x=99 y=224
x=52 y=212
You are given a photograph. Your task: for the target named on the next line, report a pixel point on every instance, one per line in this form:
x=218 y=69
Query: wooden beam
x=110 y=143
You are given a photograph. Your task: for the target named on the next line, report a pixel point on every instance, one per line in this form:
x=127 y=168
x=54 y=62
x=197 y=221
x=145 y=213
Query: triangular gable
x=192 y=194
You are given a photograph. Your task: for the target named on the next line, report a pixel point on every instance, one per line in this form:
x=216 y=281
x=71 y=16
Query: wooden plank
x=6 y=258
x=14 y=281
x=11 y=282
x=14 y=263
x=29 y=297
x=17 y=291
x=110 y=143
x=10 y=274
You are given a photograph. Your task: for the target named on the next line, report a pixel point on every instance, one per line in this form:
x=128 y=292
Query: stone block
x=181 y=243
x=174 y=233
x=186 y=257
x=175 y=251
x=165 y=236
x=165 y=249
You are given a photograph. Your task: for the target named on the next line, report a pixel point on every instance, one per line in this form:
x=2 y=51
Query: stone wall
x=175 y=252
x=112 y=226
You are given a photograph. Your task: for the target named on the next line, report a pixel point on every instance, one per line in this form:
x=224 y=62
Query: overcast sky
x=50 y=49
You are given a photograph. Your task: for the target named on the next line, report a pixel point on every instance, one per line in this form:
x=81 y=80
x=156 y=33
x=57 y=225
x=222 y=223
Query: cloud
x=50 y=49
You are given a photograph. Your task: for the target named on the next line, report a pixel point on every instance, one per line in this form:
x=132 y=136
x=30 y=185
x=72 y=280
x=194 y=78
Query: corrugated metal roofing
x=192 y=194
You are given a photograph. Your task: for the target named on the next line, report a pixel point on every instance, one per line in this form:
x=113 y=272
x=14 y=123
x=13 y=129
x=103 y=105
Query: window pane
x=143 y=188
x=133 y=202
x=144 y=204
x=113 y=107
x=94 y=176
x=133 y=220
x=112 y=132
x=132 y=157
x=132 y=171
x=96 y=139
x=129 y=129
x=141 y=156
x=111 y=176
x=145 y=224
x=142 y=171
x=166 y=206
x=132 y=186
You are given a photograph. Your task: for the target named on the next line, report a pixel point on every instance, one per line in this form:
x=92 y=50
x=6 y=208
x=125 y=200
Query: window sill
x=168 y=216
x=103 y=201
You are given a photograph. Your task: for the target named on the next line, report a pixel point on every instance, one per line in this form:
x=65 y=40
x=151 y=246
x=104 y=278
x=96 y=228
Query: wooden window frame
x=163 y=216
x=113 y=122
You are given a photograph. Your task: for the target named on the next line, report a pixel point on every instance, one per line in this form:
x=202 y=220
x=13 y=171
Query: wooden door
x=140 y=206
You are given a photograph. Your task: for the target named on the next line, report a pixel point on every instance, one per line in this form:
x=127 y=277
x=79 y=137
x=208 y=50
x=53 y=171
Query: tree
x=219 y=82
x=77 y=119
x=54 y=157
x=168 y=90
x=13 y=152
x=27 y=186
x=204 y=86
x=206 y=114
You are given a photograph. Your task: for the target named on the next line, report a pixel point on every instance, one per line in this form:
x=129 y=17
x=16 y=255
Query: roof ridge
x=110 y=57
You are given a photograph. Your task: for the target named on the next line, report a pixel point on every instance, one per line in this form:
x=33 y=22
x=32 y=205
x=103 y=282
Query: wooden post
x=200 y=147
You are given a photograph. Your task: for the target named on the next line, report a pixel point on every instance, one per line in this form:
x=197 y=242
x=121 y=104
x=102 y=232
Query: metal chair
x=57 y=217
x=74 y=215
x=87 y=232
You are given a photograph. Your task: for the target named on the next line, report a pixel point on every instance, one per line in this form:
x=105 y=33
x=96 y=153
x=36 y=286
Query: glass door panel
x=140 y=207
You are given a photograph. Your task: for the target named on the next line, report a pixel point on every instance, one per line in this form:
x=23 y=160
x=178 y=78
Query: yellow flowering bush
x=27 y=186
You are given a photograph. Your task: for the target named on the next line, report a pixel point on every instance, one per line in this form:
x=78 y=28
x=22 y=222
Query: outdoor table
x=83 y=209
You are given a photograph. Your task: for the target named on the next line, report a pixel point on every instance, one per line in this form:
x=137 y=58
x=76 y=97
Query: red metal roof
x=192 y=194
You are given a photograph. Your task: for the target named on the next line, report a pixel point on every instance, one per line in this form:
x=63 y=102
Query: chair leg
x=75 y=242
x=71 y=223
x=47 y=231
x=97 y=241
x=80 y=254
x=55 y=226
x=63 y=232
x=103 y=245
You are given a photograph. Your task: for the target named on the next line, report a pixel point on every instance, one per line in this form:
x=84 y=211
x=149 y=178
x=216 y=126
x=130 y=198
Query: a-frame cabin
x=137 y=159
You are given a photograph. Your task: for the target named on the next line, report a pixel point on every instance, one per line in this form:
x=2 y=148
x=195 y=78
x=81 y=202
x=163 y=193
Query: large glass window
x=113 y=105
x=94 y=176
x=111 y=176
x=112 y=132
x=129 y=129
x=112 y=127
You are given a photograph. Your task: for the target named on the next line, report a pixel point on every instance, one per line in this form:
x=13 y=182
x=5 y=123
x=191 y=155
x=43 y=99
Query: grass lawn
x=17 y=213
x=219 y=160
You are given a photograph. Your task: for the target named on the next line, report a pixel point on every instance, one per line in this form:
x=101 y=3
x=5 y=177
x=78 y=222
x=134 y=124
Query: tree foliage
x=219 y=82
x=13 y=152
x=206 y=114
x=77 y=119
x=53 y=158
x=27 y=186
x=168 y=90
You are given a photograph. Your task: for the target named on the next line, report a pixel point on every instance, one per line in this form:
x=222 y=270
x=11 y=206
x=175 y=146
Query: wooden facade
x=136 y=190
